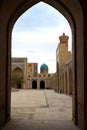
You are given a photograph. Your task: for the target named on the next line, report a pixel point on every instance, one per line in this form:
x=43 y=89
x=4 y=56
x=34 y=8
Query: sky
x=35 y=35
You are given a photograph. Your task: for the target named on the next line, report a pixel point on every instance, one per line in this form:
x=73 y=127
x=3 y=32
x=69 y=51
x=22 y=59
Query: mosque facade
x=32 y=79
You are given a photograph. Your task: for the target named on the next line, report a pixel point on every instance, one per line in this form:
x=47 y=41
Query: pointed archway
x=75 y=12
x=42 y=84
x=34 y=84
x=70 y=81
x=18 y=76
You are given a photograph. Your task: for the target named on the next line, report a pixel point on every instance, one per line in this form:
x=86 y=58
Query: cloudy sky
x=36 y=34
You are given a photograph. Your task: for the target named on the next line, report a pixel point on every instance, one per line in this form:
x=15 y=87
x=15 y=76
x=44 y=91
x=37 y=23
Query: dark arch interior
x=70 y=80
x=34 y=84
x=19 y=86
x=42 y=85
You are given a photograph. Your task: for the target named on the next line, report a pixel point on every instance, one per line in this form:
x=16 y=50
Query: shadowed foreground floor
x=40 y=110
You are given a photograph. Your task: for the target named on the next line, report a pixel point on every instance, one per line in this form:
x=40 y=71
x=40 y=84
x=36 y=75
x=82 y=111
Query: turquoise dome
x=44 y=66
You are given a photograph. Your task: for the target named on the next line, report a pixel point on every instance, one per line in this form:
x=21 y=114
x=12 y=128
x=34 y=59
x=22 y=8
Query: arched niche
x=42 y=84
x=34 y=84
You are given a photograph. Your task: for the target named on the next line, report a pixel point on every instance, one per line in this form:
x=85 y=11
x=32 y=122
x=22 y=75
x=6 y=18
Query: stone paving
x=40 y=110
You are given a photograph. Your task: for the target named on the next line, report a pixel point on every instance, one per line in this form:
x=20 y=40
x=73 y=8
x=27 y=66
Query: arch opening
x=17 y=78
x=34 y=84
x=66 y=82
x=77 y=22
x=42 y=85
x=70 y=82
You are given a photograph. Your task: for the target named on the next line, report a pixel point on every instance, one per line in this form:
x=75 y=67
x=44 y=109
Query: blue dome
x=44 y=66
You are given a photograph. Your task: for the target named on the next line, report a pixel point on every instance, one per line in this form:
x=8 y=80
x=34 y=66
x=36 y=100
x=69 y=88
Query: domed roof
x=44 y=66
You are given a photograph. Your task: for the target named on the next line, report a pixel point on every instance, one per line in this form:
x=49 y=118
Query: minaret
x=63 y=53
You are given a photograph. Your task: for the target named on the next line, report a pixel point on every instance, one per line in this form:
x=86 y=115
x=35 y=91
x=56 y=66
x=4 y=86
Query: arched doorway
x=62 y=82
x=70 y=81
x=34 y=84
x=68 y=9
x=17 y=77
x=66 y=82
x=42 y=84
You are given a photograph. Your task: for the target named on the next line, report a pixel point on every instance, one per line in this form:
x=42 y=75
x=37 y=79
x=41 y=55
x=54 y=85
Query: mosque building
x=33 y=79
x=58 y=81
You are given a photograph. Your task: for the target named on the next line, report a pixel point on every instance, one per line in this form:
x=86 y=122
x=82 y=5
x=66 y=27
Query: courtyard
x=40 y=110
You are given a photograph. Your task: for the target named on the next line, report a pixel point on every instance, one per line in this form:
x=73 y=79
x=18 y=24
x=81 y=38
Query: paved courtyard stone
x=40 y=110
